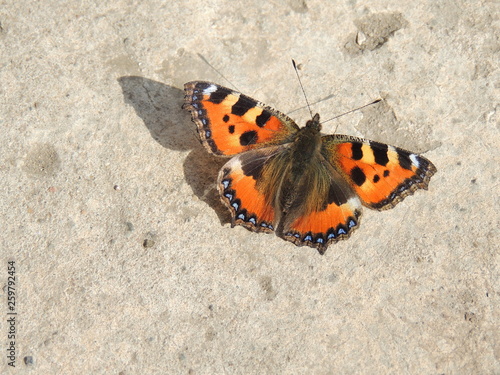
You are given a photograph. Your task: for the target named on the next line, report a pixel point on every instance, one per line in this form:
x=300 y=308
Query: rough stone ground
x=125 y=261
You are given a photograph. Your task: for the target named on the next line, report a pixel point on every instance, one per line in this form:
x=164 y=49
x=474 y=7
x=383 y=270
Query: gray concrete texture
x=125 y=262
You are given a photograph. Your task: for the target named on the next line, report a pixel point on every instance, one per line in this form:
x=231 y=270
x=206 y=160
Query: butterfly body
x=306 y=187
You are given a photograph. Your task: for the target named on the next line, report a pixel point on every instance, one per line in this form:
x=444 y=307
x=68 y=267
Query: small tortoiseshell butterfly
x=306 y=187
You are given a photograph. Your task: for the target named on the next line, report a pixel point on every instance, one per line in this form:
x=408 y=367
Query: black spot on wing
x=357 y=152
x=225 y=118
x=248 y=138
x=380 y=153
x=231 y=129
x=376 y=178
x=242 y=106
x=358 y=176
x=219 y=95
x=262 y=118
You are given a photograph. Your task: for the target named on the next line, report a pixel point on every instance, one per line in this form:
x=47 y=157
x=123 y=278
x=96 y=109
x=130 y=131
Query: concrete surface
x=124 y=259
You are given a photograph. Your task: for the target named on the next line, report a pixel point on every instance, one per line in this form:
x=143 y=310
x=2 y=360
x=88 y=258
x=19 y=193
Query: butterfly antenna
x=302 y=87
x=352 y=110
x=219 y=73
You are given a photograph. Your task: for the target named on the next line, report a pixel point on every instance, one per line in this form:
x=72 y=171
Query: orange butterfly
x=306 y=187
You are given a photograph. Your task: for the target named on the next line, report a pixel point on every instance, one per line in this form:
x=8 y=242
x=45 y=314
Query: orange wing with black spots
x=230 y=123
x=381 y=175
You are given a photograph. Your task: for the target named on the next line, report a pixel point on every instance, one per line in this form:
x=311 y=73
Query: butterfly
x=306 y=187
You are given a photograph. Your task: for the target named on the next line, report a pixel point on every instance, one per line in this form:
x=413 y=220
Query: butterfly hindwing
x=240 y=186
x=322 y=228
x=230 y=123
x=381 y=175
x=335 y=217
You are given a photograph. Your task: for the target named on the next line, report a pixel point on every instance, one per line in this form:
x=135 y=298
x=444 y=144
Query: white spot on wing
x=210 y=89
x=354 y=202
x=414 y=160
x=234 y=162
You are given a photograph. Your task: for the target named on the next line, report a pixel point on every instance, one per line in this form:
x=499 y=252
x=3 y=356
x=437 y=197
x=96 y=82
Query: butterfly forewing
x=230 y=123
x=381 y=175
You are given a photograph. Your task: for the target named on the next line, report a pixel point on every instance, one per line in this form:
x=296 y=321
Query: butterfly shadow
x=159 y=107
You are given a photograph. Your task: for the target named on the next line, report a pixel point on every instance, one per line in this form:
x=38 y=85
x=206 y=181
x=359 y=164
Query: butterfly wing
x=324 y=208
x=381 y=175
x=230 y=123
x=244 y=188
